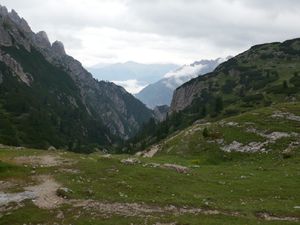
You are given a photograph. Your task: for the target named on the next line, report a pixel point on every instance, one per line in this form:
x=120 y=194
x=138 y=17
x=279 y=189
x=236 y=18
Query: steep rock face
x=264 y=74
x=161 y=112
x=183 y=96
x=45 y=68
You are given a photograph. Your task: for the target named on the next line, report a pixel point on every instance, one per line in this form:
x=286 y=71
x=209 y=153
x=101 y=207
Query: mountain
x=48 y=98
x=161 y=92
x=143 y=73
x=262 y=75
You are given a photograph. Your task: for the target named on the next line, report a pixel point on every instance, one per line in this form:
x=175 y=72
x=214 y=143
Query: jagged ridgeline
x=48 y=99
x=264 y=75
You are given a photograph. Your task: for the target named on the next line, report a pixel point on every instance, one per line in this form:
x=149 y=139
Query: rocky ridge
x=103 y=100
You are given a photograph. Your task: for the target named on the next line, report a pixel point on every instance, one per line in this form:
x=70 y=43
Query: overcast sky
x=160 y=31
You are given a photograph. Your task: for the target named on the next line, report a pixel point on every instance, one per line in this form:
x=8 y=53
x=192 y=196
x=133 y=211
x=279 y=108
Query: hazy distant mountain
x=160 y=92
x=144 y=73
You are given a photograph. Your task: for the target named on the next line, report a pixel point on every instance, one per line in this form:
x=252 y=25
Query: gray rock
x=58 y=48
x=16 y=68
x=3 y=11
x=130 y=161
x=41 y=40
x=51 y=148
x=178 y=168
x=161 y=112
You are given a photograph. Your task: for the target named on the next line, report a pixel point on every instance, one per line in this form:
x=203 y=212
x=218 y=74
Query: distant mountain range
x=161 y=92
x=131 y=73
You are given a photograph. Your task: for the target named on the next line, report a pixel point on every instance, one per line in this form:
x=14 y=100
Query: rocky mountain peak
x=21 y=22
x=41 y=40
x=3 y=11
x=14 y=17
x=58 y=48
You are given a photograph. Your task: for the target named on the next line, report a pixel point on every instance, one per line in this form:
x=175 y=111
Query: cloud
x=177 y=31
x=132 y=86
x=191 y=70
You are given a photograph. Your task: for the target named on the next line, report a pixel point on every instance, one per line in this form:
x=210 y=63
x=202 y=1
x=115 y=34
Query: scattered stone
x=51 y=148
x=72 y=171
x=60 y=215
x=271 y=217
x=285 y=115
x=178 y=168
x=249 y=148
x=153 y=165
x=140 y=210
x=106 y=156
x=130 y=161
x=232 y=124
x=64 y=192
x=271 y=136
x=289 y=151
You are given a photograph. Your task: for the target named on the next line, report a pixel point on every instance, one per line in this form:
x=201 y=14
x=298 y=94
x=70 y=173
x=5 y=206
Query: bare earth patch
x=43 y=160
x=45 y=193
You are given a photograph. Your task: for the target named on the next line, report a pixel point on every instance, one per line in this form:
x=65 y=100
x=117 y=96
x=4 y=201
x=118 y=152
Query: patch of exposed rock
x=286 y=115
x=149 y=153
x=16 y=68
x=271 y=136
x=252 y=147
x=248 y=148
x=177 y=168
x=130 y=161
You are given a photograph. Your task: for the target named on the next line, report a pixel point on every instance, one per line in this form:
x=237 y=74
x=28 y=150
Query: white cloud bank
x=132 y=86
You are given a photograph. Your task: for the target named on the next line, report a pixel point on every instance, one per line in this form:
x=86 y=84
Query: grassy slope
x=248 y=183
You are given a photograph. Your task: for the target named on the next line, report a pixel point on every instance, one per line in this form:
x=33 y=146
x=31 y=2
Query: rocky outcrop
x=161 y=112
x=184 y=95
x=16 y=68
x=58 y=48
x=41 y=40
